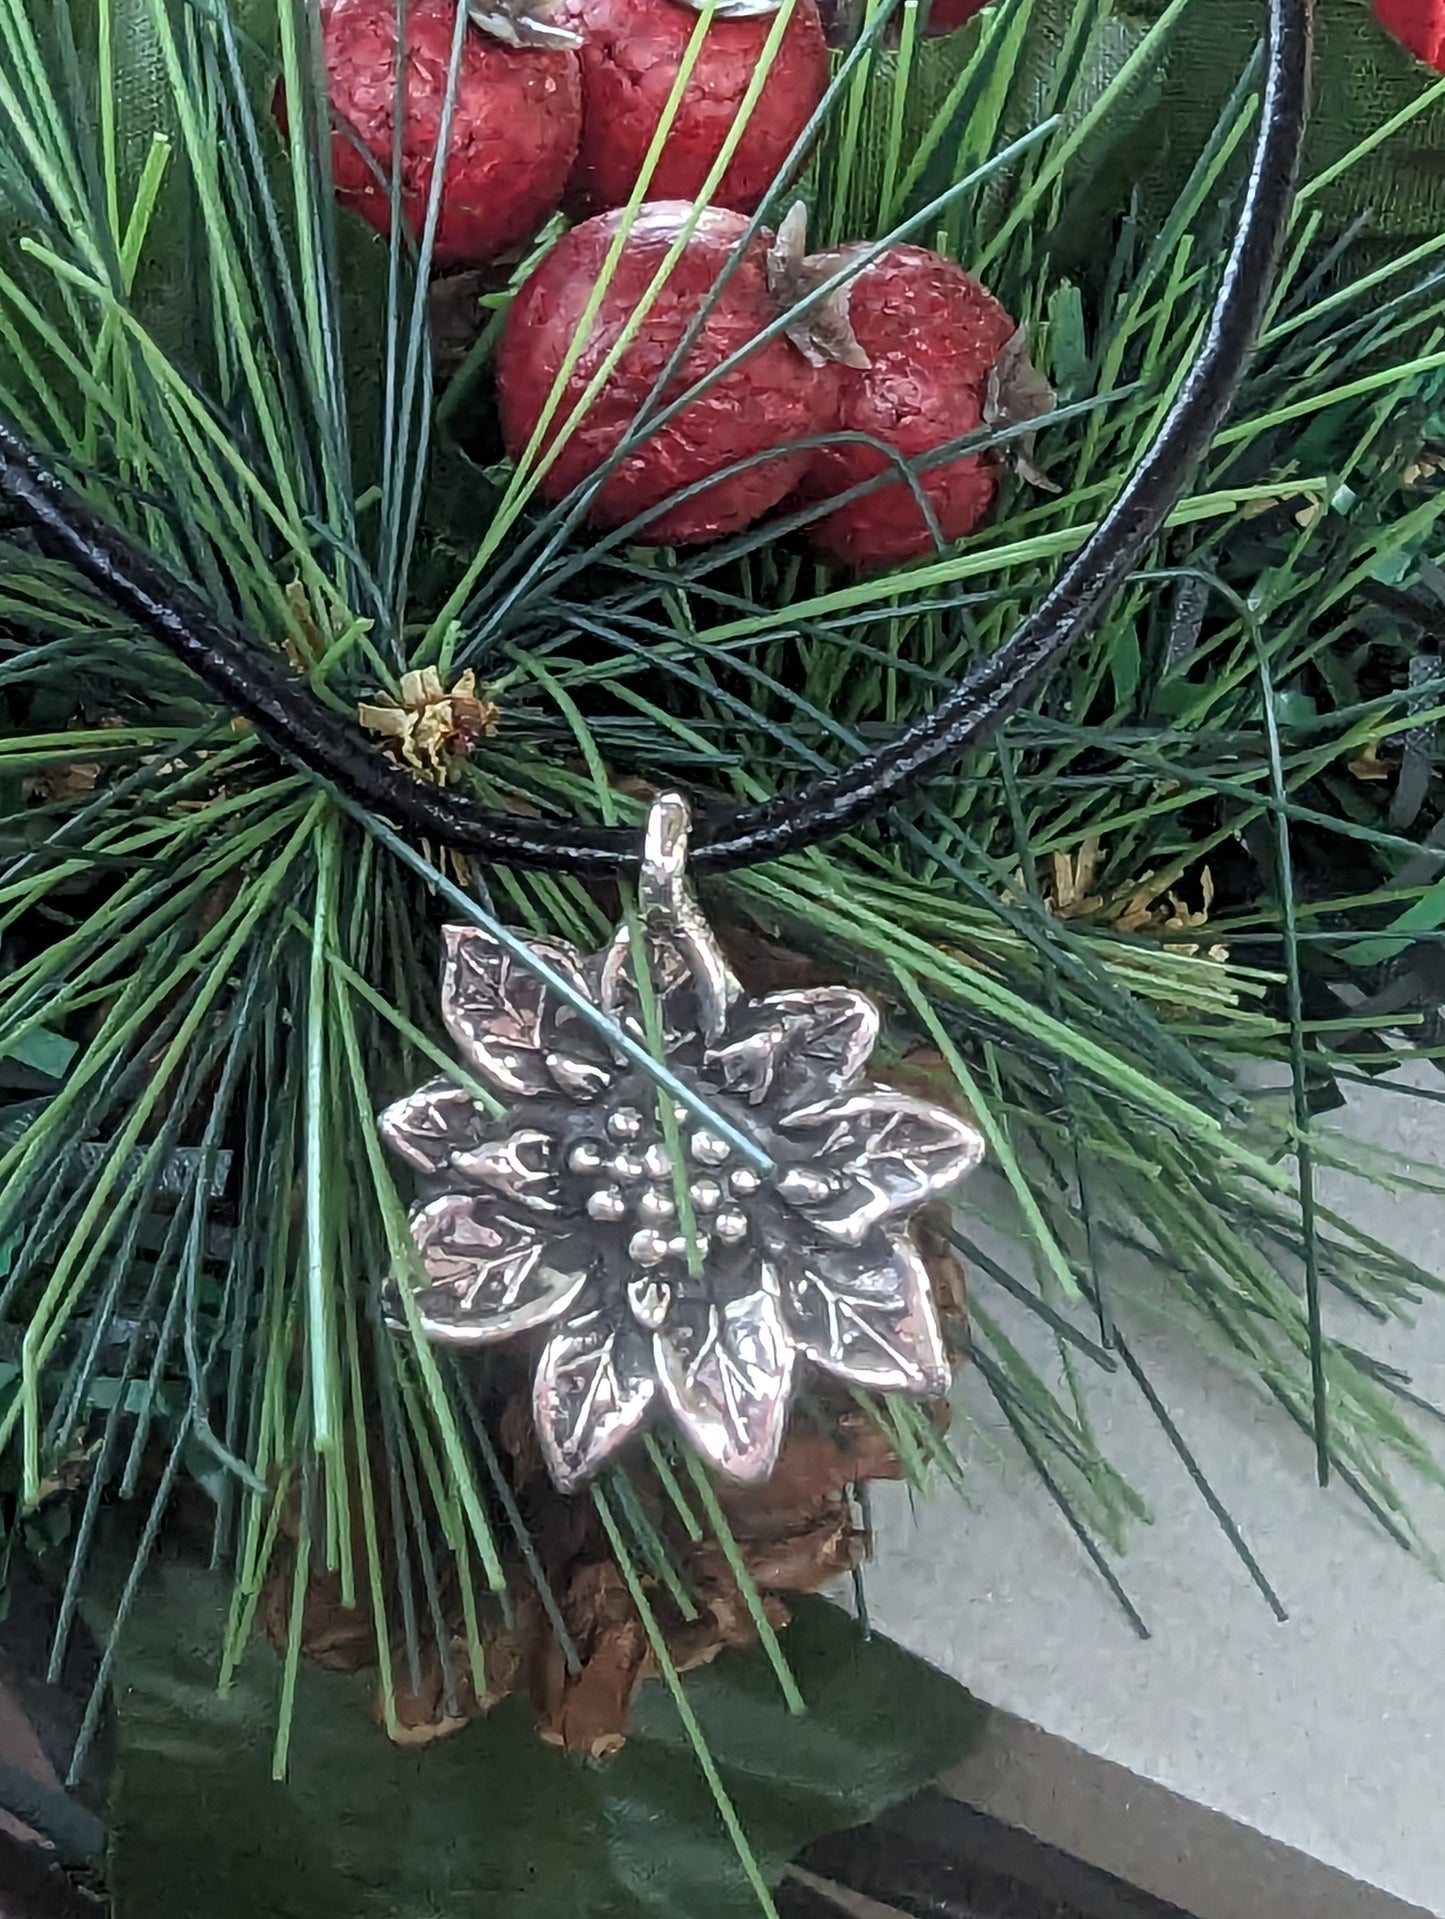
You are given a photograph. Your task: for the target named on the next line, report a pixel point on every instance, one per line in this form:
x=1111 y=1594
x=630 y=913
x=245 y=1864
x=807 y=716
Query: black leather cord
x=253 y=682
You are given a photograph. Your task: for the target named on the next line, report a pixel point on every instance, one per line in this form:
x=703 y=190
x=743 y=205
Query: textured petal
x=727 y=1372
x=434 y=1122
x=672 y=984
x=577 y=1071
x=519 y=1167
x=593 y=1386
x=868 y=1315
x=797 y=1048
x=872 y=1154
x=503 y=1017
x=490 y=1275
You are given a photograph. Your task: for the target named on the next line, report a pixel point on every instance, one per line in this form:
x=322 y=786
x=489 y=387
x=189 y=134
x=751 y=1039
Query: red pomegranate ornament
x=774 y=397
x=1419 y=25
x=935 y=357
x=844 y=20
x=947 y=16
x=515 y=124
x=631 y=51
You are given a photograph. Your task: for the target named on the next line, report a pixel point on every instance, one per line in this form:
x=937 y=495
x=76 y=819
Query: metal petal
x=727 y=1373
x=491 y=1275
x=672 y=984
x=869 y=1316
x=434 y=1122
x=579 y=1076
x=871 y=1155
x=593 y=1387
x=519 y=1167
x=502 y=1016
x=797 y=1048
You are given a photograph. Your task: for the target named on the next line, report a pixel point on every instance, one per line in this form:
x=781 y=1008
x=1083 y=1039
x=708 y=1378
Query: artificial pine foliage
x=1209 y=845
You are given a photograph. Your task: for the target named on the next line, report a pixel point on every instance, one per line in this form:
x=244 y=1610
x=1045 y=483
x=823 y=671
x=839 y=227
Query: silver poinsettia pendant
x=665 y=1264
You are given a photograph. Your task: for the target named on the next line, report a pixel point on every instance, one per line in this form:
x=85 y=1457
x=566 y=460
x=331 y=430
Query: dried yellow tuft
x=430 y=727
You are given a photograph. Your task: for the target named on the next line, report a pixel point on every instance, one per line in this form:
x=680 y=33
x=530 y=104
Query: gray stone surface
x=1200 y=1862
x=1326 y=1733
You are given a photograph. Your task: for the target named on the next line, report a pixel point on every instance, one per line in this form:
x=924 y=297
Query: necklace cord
x=254 y=683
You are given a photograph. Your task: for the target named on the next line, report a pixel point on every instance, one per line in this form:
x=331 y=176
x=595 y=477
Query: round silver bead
x=586 y=1156
x=709 y=1149
x=706 y=1195
x=625 y=1166
x=677 y=1245
x=649 y=1300
x=625 y=1124
x=606 y=1204
x=655 y=1207
x=648 y=1247
x=744 y=1181
x=802 y=1185
x=731 y=1226
x=657 y=1162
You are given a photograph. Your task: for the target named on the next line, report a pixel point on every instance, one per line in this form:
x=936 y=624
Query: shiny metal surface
x=651 y=1268
x=520 y=23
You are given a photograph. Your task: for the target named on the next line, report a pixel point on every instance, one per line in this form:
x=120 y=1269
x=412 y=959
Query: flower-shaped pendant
x=683 y=1249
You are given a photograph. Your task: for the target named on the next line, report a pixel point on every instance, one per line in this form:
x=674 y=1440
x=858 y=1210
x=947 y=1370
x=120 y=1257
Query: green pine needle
x=1173 y=862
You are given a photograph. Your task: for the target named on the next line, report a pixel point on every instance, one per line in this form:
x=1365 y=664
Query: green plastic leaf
x=1295 y=709
x=1068 y=344
x=43 y=1052
x=491 y=1820
x=1424 y=915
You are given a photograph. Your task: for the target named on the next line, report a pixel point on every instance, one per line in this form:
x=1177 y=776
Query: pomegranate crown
x=736 y=9
x=520 y=23
x=819 y=326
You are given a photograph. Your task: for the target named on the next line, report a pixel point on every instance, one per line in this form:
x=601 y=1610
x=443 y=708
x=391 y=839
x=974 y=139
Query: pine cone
x=795 y=1534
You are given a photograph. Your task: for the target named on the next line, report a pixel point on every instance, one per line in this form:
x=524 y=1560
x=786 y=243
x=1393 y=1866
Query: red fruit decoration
x=1420 y=24
x=631 y=52
x=774 y=397
x=947 y=16
x=937 y=358
x=515 y=123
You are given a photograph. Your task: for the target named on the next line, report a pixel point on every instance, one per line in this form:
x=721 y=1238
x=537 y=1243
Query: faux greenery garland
x=1200 y=850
